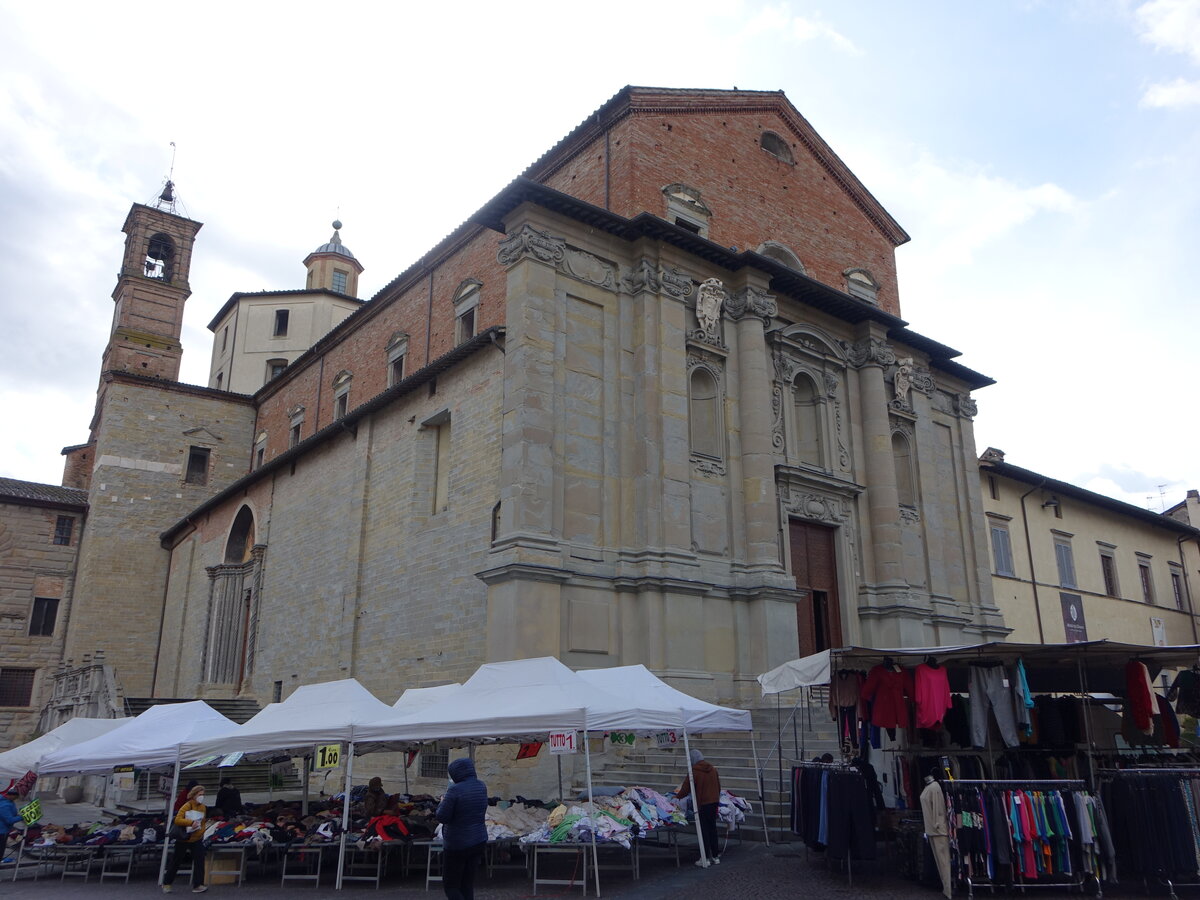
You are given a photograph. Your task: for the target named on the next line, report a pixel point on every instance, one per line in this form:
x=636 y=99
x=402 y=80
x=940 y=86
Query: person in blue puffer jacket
x=464 y=835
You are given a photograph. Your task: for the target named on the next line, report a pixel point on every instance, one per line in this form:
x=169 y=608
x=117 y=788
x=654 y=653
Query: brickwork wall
x=363 y=349
x=77 y=467
x=753 y=196
x=360 y=577
x=137 y=492
x=31 y=566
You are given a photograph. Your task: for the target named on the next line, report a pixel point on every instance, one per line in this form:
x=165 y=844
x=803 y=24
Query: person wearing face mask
x=190 y=817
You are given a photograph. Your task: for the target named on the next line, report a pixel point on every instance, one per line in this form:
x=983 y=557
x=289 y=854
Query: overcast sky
x=1044 y=157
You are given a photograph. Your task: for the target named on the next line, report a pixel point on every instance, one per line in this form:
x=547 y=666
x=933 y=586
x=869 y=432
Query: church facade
x=653 y=403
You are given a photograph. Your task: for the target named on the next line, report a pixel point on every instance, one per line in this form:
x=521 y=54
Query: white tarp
x=696 y=715
x=151 y=739
x=804 y=672
x=325 y=713
x=414 y=699
x=16 y=762
x=522 y=697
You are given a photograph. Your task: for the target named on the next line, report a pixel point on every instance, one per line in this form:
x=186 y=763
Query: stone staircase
x=733 y=755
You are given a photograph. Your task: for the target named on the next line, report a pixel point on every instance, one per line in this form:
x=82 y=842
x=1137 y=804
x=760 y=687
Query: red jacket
x=888 y=690
x=708 y=784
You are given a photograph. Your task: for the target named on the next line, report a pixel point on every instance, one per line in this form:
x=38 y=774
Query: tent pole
x=345 y=814
x=169 y=820
x=407 y=763
x=587 y=757
x=687 y=748
x=560 y=790
x=779 y=738
x=304 y=796
x=762 y=802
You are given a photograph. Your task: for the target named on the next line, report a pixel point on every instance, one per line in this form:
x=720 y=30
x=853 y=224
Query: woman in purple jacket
x=464 y=835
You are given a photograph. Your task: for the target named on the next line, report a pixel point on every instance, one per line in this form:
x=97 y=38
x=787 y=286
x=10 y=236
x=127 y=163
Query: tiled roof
x=12 y=489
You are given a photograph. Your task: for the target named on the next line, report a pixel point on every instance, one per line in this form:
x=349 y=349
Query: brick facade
x=37 y=571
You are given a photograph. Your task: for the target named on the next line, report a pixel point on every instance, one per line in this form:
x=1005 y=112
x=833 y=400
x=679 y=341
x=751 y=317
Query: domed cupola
x=333 y=267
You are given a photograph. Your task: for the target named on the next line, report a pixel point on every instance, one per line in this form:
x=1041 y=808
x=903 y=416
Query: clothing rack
x=1027 y=784
x=837 y=768
x=1111 y=774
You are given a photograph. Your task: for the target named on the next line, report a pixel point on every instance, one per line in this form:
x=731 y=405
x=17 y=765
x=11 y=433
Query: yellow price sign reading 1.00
x=329 y=756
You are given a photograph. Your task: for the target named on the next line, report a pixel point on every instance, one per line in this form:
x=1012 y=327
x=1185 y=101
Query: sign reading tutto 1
x=328 y=756
x=561 y=742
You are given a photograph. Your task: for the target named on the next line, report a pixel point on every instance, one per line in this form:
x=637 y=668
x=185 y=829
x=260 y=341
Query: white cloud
x=1179 y=92
x=778 y=20
x=1172 y=25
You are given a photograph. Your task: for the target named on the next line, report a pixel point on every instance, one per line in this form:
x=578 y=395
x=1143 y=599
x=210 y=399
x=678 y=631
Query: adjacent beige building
x=1070 y=565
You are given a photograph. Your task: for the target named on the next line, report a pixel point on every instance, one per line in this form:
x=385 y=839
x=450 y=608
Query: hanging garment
x=888 y=691
x=1185 y=692
x=1022 y=699
x=989 y=689
x=932 y=695
x=1140 y=693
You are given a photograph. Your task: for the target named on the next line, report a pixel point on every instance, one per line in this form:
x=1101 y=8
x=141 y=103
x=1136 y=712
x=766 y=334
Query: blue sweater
x=462 y=810
x=10 y=817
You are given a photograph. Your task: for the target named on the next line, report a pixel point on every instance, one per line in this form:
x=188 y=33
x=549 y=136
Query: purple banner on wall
x=1073 y=622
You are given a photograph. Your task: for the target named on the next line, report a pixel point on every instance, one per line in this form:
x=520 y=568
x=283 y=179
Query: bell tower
x=152 y=287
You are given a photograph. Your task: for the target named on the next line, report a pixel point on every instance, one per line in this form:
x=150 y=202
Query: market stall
x=993 y=730
x=28 y=757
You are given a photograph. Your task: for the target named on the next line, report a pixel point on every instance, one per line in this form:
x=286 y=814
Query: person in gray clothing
x=464 y=835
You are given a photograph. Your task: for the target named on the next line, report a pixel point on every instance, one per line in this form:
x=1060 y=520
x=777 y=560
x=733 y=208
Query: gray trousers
x=988 y=690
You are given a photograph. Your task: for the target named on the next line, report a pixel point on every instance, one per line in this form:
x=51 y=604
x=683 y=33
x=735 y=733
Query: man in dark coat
x=464 y=835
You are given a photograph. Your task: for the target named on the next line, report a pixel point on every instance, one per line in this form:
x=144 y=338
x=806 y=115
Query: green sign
x=32 y=812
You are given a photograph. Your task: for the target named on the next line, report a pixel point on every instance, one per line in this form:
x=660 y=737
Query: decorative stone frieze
x=702 y=465
x=528 y=241
x=869 y=352
x=590 y=268
x=642 y=277
x=675 y=283
x=751 y=301
x=966 y=406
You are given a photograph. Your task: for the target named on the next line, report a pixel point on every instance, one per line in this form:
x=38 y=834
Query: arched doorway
x=233 y=607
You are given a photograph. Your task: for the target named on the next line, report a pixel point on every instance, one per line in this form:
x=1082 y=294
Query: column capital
x=869 y=352
x=751 y=301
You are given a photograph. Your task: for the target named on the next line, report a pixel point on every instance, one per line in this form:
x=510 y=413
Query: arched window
x=781 y=254
x=906 y=487
x=704 y=413
x=341 y=393
x=862 y=284
x=466 y=310
x=160 y=254
x=777 y=147
x=810 y=411
x=241 y=538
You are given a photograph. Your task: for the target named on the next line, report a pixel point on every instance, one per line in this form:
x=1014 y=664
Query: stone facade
x=1068 y=564
x=657 y=407
x=40 y=529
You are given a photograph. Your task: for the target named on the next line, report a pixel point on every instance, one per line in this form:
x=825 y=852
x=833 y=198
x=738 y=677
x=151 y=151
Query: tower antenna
x=166 y=200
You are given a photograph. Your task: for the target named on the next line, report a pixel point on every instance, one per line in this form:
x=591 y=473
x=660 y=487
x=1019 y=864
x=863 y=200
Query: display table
x=582 y=852
x=120 y=860
x=76 y=861
x=305 y=861
x=226 y=863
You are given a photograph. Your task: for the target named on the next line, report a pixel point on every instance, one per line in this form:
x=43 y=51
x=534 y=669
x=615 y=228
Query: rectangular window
x=1178 y=590
x=465 y=326
x=197 y=467
x=1147 y=581
x=259 y=455
x=1002 y=550
x=441 y=468
x=339 y=405
x=992 y=490
x=43 y=617
x=224 y=338
x=220 y=379
x=63 y=529
x=1066 y=564
x=294 y=435
x=277 y=692
x=281 y=323
x=275 y=368
x=1108 y=566
x=396 y=370
x=339 y=281
x=16 y=686
x=434 y=762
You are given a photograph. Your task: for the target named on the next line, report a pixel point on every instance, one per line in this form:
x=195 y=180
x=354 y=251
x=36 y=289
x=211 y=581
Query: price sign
x=328 y=756
x=529 y=751
x=231 y=760
x=202 y=761
x=666 y=739
x=562 y=742
x=622 y=738
x=32 y=812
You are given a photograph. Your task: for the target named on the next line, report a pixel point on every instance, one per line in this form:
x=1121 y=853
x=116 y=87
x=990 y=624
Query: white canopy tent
x=697 y=716
x=151 y=739
x=28 y=757
x=414 y=699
